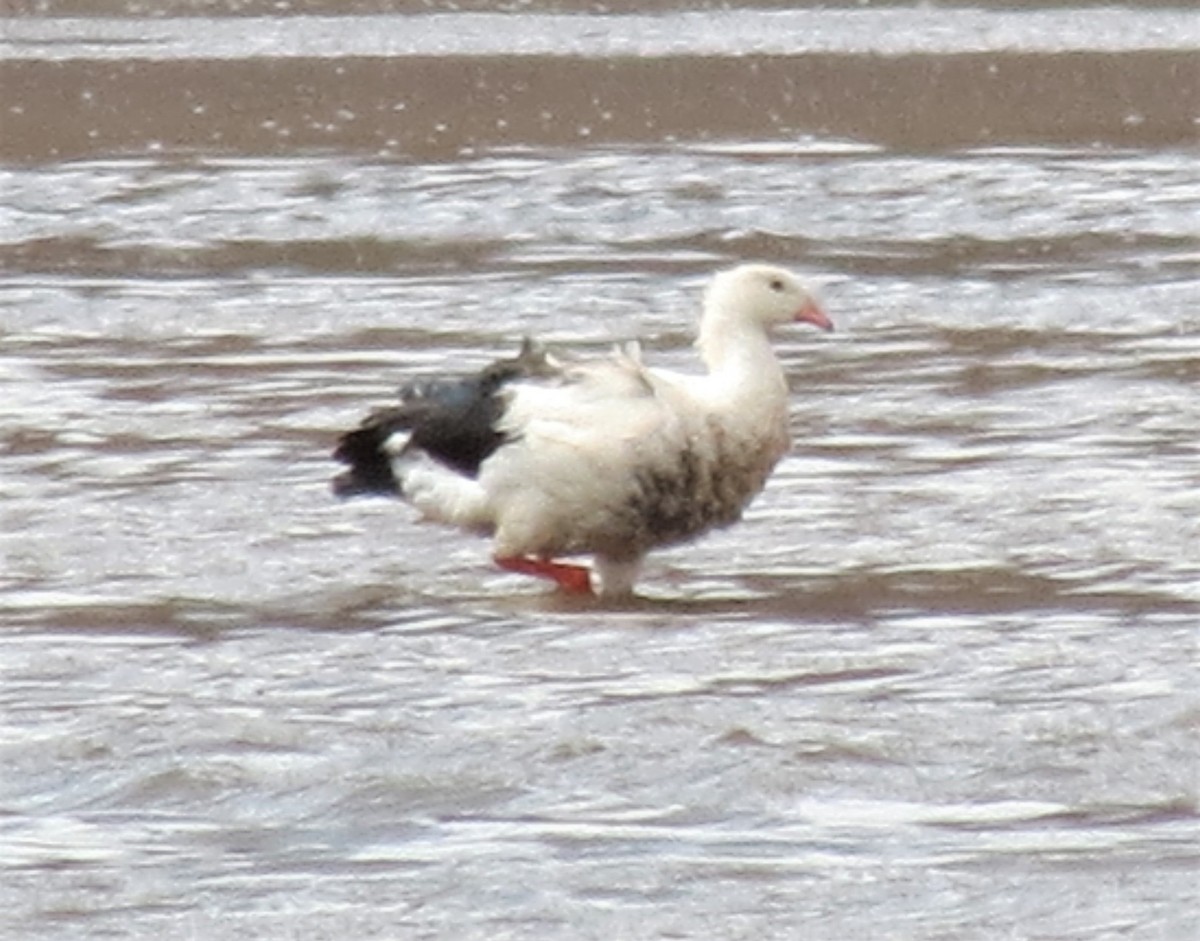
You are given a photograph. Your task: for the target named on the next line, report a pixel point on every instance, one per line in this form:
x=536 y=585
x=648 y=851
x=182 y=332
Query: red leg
x=573 y=579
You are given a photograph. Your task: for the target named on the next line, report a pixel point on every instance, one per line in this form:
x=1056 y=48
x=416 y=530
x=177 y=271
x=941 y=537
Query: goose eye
x=776 y=284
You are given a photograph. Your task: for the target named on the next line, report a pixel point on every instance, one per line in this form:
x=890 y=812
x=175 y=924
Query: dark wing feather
x=451 y=420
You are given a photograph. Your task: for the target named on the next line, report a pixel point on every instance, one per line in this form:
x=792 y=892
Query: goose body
x=608 y=458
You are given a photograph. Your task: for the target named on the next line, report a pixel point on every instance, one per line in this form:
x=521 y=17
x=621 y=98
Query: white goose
x=608 y=458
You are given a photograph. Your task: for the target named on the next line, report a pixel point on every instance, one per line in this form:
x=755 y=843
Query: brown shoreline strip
x=432 y=107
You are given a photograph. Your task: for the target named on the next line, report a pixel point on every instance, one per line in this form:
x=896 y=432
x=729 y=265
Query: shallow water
x=942 y=681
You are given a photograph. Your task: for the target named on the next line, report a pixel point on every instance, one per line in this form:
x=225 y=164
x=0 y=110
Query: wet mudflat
x=941 y=683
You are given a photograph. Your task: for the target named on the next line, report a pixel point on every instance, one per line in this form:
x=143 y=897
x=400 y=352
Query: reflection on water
x=942 y=678
x=652 y=34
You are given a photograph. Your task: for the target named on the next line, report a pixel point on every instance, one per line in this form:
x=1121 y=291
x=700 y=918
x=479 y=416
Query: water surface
x=941 y=682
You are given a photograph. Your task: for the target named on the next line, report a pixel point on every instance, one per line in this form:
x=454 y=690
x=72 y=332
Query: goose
x=610 y=458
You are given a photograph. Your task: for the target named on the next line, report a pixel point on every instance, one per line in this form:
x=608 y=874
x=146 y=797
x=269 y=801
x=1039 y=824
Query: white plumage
x=608 y=458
